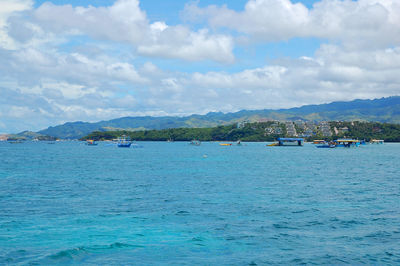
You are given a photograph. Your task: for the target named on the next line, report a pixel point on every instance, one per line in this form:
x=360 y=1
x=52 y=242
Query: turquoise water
x=172 y=203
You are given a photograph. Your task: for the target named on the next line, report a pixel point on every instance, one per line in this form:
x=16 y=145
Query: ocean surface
x=173 y=203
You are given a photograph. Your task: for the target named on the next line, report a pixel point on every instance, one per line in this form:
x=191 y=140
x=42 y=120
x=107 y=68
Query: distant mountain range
x=378 y=110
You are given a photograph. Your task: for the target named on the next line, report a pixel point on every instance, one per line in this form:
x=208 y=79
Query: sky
x=69 y=60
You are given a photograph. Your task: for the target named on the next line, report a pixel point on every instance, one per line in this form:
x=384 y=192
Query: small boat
x=225 y=144
x=124 y=142
x=238 y=143
x=319 y=141
x=377 y=141
x=325 y=144
x=273 y=144
x=91 y=142
x=195 y=142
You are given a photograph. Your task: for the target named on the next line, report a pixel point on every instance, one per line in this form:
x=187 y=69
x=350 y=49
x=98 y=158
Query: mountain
x=27 y=135
x=379 y=110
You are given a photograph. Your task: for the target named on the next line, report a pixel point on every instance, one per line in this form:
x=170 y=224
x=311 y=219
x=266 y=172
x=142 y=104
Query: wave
x=83 y=251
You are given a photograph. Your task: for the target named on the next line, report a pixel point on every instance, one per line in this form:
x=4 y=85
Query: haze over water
x=172 y=203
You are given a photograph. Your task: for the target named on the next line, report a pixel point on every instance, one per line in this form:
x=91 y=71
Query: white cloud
x=180 y=42
x=363 y=23
x=124 y=21
x=7 y=9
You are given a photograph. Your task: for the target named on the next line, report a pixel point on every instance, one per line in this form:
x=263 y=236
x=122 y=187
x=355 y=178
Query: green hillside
x=385 y=110
x=260 y=131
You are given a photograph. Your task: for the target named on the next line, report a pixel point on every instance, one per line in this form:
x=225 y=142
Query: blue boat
x=290 y=142
x=124 y=142
x=326 y=144
x=347 y=143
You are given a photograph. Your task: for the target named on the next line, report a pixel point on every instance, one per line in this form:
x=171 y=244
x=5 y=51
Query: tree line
x=253 y=132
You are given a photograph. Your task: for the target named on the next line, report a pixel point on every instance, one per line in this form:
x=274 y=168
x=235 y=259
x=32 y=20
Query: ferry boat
x=289 y=142
x=347 y=143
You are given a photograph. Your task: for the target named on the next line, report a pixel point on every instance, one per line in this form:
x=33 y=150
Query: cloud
x=334 y=74
x=180 y=42
x=363 y=23
x=125 y=22
x=121 y=22
x=8 y=9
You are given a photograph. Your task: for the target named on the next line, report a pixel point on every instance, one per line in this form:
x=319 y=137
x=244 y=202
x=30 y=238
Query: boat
x=195 y=142
x=91 y=142
x=347 y=143
x=326 y=144
x=377 y=141
x=124 y=142
x=272 y=144
x=225 y=144
x=319 y=141
x=288 y=142
x=238 y=143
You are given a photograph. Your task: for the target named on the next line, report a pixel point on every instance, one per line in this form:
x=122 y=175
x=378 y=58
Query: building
x=290 y=129
x=242 y=124
x=325 y=129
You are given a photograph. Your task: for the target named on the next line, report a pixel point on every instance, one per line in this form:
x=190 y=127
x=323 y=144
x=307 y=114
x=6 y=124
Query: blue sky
x=95 y=60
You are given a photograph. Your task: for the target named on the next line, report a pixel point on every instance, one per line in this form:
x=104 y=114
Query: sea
x=171 y=203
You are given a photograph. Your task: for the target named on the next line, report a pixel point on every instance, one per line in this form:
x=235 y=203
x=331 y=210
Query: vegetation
x=259 y=131
x=29 y=135
x=385 y=110
x=369 y=130
x=250 y=132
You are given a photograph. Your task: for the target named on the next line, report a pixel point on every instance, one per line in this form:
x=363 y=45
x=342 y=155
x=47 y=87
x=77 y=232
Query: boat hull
x=124 y=145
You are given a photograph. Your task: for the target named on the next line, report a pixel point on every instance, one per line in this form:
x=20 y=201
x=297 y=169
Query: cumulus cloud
x=125 y=22
x=362 y=23
x=180 y=42
x=8 y=9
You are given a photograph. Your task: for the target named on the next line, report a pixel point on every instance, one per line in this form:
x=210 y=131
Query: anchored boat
x=124 y=142
x=195 y=142
x=326 y=144
x=288 y=142
x=225 y=144
x=377 y=141
x=347 y=143
x=91 y=142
